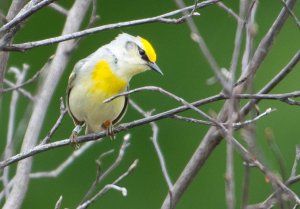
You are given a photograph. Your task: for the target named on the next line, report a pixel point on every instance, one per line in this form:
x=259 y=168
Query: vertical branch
x=233 y=109
x=20 y=76
x=197 y=37
x=250 y=33
x=45 y=93
x=246 y=181
x=156 y=145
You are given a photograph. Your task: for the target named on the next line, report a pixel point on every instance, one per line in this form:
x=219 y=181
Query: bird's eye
x=143 y=54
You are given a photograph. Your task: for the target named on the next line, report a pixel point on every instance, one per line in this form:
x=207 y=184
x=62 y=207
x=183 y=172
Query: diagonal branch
x=21 y=17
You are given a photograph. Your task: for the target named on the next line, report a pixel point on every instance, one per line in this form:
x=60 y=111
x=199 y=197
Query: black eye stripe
x=143 y=54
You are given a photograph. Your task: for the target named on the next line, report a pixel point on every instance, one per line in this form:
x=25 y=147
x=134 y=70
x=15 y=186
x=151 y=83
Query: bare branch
x=63 y=111
x=21 y=17
x=154 y=140
x=32 y=79
x=109 y=186
x=43 y=98
x=197 y=37
x=159 y=18
x=267 y=42
x=20 y=76
x=297 y=159
x=58 y=203
x=236 y=125
x=59 y=9
x=20 y=90
x=122 y=127
x=63 y=166
x=250 y=33
x=230 y=11
x=15 y=7
x=110 y=169
x=213 y=136
x=272 y=200
x=296 y=20
x=274 y=81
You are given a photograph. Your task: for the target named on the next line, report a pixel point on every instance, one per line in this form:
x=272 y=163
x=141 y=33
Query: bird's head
x=134 y=55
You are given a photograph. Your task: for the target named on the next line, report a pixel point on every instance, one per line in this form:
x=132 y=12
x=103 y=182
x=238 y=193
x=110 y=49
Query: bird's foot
x=74 y=135
x=107 y=125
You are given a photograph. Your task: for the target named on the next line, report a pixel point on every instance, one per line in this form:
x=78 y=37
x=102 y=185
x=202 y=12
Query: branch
x=116 y=163
x=213 y=136
x=30 y=80
x=63 y=110
x=110 y=186
x=296 y=20
x=159 y=18
x=15 y=7
x=8 y=151
x=125 y=126
x=21 y=179
x=21 y=17
x=197 y=37
x=20 y=90
x=154 y=140
x=59 y=9
x=236 y=125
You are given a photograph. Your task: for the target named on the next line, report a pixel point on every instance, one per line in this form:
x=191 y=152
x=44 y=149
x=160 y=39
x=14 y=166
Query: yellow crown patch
x=149 y=50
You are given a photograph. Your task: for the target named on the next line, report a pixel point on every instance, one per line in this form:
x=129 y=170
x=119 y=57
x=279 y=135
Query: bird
x=102 y=75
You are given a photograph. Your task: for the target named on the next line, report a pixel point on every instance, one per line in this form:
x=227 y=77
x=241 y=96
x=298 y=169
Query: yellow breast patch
x=104 y=80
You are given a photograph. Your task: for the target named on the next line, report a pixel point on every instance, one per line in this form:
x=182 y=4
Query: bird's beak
x=155 y=67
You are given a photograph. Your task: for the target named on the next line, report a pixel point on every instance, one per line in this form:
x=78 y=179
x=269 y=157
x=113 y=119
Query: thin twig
x=250 y=33
x=236 y=125
x=58 y=203
x=25 y=93
x=271 y=200
x=246 y=182
x=273 y=82
x=30 y=80
x=159 y=18
x=109 y=186
x=64 y=165
x=249 y=158
x=63 y=110
x=122 y=151
x=156 y=144
x=297 y=159
x=230 y=11
x=295 y=18
x=8 y=152
x=59 y=9
x=197 y=37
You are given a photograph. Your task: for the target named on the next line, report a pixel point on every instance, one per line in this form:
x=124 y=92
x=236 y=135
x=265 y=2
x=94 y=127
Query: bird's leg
x=74 y=135
x=107 y=125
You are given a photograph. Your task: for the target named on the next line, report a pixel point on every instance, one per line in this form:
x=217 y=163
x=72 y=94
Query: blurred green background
x=185 y=74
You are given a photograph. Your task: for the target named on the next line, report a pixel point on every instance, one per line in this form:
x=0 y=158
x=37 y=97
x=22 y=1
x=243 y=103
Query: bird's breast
x=105 y=81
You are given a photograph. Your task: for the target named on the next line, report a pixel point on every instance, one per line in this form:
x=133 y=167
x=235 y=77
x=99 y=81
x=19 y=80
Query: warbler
x=102 y=75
